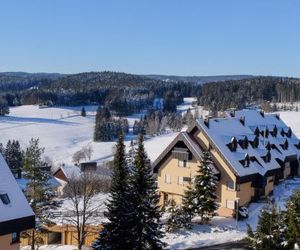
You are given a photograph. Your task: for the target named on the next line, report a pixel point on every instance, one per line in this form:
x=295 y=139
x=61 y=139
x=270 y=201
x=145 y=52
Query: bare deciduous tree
x=88 y=151
x=81 y=191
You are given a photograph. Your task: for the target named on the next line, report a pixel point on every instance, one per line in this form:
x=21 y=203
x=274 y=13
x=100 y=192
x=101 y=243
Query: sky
x=175 y=37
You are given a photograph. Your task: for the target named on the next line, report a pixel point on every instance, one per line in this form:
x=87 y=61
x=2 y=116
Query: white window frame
x=230 y=204
x=168 y=179
x=183 y=163
x=180 y=180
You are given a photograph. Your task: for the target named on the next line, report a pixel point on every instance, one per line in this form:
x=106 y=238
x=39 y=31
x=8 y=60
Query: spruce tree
x=2 y=150
x=270 y=232
x=177 y=217
x=39 y=192
x=292 y=219
x=144 y=222
x=188 y=205
x=115 y=233
x=14 y=157
x=205 y=189
x=4 y=109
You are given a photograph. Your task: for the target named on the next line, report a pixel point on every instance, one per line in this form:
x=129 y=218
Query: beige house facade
x=251 y=152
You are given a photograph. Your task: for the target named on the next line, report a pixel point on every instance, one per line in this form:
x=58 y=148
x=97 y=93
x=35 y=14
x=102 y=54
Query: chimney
x=262 y=113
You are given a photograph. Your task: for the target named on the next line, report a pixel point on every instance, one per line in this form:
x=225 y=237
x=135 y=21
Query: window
x=187 y=179
x=183 y=163
x=168 y=178
x=5 y=199
x=180 y=180
x=15 y=237
x=230 y=185
x=230 y=204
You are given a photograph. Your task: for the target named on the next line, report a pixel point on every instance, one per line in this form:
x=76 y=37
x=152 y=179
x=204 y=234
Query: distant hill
x=128 y=93
x=198 y=79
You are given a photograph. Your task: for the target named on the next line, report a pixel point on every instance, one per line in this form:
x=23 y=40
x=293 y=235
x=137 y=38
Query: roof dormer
x=285 y=145
x=246 y=161
x=233 y=144
x=274 y=132
x=244 y=143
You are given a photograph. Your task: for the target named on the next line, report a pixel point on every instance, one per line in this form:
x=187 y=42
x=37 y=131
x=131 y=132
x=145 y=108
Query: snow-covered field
x=63 y=131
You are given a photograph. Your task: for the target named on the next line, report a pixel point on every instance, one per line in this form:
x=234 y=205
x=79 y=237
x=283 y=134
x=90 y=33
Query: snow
x=9 y=186
x=188 y=104
x=292 y=119
x=53 y=247
x=63 y=131
x=65 y=213
x=221 y=230
x=222 y=130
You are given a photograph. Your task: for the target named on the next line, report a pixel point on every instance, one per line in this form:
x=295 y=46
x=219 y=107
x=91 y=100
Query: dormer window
x=297 y=145
x=274 y=132
x=256 y=131
x=267 y=157
x=233 y=144
x=282 y=133
x=268 y=146
x=244 y=143
x=285 y=145
x=289 y=133
x=246 y=161
x=255 y=142
x=5 y=199
x=265 y=133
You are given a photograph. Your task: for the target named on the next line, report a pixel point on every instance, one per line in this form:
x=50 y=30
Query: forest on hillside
x=247 y=92
x=125 y=94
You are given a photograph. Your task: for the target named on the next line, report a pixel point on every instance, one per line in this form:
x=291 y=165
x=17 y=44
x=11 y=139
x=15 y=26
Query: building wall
x=269 y=185
x=5 y=243
x=68 y=235
x=245 y=193
x=175 y=191
x=171 y=167
x=287 y=170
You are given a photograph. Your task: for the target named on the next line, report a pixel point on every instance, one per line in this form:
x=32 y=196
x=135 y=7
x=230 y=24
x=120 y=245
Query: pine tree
x=270 y=232
x=4 y=109
x=144 y=222
x=83 y=112
x=292 y=219
x=205 y=189
x=2 y=150
x=115 y=233
x=177 y=217
x=14 y=157
x=188 y=205
x=39 y=193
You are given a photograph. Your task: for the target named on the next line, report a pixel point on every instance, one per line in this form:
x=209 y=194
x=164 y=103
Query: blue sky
x=180 y=37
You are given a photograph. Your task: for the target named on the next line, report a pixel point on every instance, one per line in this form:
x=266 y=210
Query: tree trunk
x=33 y=240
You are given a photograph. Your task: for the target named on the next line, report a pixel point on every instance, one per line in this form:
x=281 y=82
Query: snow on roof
x=221 y=130
x=191 y=145
x=23 y=182
x=254 y=118
x=65 y=214
x=18 y=206
x=73 y=171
